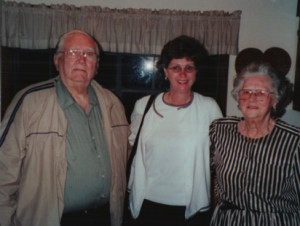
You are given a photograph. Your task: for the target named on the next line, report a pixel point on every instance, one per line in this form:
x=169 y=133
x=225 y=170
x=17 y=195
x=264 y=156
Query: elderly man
x=63 y=146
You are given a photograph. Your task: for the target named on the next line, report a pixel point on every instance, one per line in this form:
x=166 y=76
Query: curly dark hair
x=282 y=88
x=182 y=47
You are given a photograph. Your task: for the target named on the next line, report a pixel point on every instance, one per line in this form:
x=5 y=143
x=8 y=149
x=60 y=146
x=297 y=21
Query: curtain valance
x=142 y=31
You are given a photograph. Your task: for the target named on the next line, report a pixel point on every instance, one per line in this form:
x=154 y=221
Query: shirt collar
x=65 y=99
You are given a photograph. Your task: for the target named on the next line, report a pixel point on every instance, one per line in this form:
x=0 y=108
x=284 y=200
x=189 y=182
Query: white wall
x=264 y=24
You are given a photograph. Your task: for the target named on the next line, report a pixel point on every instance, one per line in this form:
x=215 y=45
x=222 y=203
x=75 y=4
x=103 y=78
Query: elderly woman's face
x=256 y=97
x=181 y=74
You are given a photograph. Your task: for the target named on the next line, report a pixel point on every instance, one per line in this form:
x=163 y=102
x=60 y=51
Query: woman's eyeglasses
x=261 y=95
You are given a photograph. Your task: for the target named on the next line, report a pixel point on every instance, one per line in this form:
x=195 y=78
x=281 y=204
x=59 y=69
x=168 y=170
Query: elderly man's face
x=77 y=70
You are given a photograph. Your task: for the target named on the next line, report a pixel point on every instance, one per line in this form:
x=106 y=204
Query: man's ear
x=55 y=60
x=97 y=66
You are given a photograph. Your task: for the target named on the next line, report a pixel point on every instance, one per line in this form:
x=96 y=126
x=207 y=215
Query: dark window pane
x=129 y=99
x=23 y=67
x=137 y=72
x=107 y=70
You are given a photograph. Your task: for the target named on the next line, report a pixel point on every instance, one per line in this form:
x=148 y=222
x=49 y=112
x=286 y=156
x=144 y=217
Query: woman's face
x=256 y=98
x=181 y=74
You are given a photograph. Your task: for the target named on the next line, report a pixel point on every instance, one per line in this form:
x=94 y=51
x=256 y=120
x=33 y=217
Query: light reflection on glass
x=144 y=69
x=148 y=65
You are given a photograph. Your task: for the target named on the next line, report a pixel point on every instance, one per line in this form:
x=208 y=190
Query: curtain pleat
x=141 y=31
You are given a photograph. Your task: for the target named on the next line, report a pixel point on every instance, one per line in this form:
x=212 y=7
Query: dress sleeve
x=296 y=170
x=212 y=137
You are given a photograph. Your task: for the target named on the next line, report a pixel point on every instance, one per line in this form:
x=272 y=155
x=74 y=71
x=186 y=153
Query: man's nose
x=82 y=57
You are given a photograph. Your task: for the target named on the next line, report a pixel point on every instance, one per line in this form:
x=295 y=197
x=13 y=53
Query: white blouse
x=171 y=165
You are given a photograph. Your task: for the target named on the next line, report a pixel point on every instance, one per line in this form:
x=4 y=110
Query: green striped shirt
x=89 y=170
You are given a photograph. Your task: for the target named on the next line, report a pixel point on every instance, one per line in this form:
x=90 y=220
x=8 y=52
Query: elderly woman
x=256 y=158
x=170 y=174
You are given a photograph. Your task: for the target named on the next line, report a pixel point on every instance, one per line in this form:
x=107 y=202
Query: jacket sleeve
x=12 y=152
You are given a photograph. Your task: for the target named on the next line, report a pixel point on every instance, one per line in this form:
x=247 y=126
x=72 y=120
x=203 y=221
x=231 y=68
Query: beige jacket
x=33 y=161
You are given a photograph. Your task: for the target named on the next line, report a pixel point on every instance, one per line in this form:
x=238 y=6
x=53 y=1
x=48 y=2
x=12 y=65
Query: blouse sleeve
x=136 y=118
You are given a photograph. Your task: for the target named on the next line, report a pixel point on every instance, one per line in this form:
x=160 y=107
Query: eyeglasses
x=76 y=54
x=260 y=94
x=187 y=69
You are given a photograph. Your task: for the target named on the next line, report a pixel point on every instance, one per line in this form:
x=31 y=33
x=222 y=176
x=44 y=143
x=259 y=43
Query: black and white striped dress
x=258 y=180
